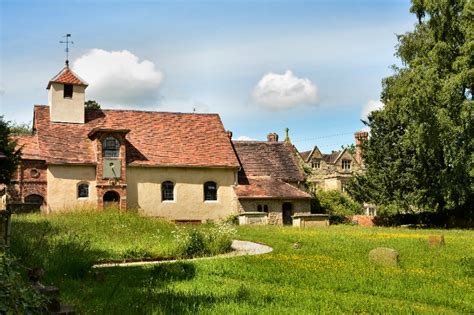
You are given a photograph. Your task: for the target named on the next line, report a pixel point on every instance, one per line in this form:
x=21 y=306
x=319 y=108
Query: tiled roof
x=266 y=187
x=332 y=157
x=67 y=76
x=261 y=158
x=154 y=138
x=305 y=155
x=28 y=145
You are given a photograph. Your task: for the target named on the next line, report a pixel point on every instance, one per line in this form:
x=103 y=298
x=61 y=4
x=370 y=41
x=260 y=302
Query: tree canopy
x=11 y=157
x=420 y=152
x=91 y=104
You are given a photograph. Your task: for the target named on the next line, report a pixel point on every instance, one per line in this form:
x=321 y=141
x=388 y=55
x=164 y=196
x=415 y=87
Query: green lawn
x=330 y=273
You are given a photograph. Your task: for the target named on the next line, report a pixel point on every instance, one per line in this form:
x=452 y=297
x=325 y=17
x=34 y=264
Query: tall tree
x=11 y=157
x=420 y=153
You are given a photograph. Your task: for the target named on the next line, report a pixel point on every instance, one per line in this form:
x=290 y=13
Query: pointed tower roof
x=67 y=76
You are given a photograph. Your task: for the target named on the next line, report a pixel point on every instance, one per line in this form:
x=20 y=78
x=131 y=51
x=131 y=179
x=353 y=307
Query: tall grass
x=68 y=244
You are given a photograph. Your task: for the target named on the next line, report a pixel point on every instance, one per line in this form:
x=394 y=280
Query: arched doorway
x=111 y=199
x=287 y=213
x=33 y=203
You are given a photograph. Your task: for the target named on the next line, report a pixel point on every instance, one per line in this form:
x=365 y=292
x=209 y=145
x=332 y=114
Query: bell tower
x=66 y=97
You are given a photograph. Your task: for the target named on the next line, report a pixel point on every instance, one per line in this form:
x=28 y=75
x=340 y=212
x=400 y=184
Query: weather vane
x=67 y=42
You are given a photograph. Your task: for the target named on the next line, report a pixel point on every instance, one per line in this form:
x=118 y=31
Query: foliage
x=70 y=243
x=330 y=273
x=7 y=147
x=349 y=147
x=91 y=104
x=420 y=153
x=211 y=240
x=17 y=296
x=20 y=128
x=336 y=203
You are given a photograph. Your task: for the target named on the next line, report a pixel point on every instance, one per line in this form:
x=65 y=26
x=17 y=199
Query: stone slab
x=384 y=256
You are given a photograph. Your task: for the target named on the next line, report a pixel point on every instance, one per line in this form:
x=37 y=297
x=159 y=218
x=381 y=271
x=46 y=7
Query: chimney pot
x=272 y=137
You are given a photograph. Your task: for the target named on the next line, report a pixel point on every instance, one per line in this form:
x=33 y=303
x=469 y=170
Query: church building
x=180 y=166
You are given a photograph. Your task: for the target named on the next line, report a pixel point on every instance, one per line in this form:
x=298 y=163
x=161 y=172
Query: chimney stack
x=360 y=138
x=272 y=137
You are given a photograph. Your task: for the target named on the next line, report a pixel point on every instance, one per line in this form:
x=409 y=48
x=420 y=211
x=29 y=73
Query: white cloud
x=119 y=78
x=370 y=107
x=284 y=91
x=245 y=138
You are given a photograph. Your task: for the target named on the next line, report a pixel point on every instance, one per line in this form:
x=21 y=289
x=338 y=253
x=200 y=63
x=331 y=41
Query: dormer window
x=110 y=148
x=316 y=163
x=346 y=164
x=68 y=88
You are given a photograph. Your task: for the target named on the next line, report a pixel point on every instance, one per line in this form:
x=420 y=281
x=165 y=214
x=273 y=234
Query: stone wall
x=275 y=207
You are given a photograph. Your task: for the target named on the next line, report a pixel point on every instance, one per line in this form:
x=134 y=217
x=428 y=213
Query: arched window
x=259 y=208
x=167 y=191
x=83 y=190
x=265 y=208
x=210 y=191
x=110 y=147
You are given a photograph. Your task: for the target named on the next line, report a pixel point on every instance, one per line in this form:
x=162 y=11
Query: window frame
x=78 y=192
x=105 y=148
x=206 y=191
x=69 y=90
x=346 y=165
x=163 y=191
x=316 y=164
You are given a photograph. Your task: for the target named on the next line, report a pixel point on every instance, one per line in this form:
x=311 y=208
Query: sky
x=314 y=67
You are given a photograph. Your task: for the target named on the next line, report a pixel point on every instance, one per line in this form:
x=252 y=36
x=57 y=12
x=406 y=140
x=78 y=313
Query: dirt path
x=240 y=248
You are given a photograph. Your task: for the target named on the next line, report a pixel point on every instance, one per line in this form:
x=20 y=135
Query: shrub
x=338 y=205
x=215 y=239
x=17 y=296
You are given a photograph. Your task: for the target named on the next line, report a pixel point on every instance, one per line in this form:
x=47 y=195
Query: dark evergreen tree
x=11 y=157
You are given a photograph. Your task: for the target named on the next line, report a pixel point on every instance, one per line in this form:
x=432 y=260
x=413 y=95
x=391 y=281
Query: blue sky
x=228 y=57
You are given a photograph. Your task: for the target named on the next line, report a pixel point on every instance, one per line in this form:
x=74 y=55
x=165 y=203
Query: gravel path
x=240 y=248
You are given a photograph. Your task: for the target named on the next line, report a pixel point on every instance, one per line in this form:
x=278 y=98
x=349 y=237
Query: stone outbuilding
x=270 y=181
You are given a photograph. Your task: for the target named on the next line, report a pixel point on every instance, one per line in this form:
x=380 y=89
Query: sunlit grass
x=329 y=273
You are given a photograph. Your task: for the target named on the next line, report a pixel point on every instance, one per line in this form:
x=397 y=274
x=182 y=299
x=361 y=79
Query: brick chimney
x=229 y=134
x=272 y=137
x=360 y=137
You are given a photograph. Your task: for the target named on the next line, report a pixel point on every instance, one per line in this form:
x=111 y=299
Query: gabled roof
x=153 y=138
x=332 y=157
x=67 y=76
x=28 y=145
x=305 y=155
x=308 y=155
x=266 y=187
x=262 y=158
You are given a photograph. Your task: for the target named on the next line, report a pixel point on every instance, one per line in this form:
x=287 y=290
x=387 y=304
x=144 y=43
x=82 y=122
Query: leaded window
x=346 y=164
x=167 y=191
x=210 y=191
x=110 y=147
x=83 y=190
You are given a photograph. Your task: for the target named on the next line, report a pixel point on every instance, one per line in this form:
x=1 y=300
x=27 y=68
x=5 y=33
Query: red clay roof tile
x=67 y=76
x=261 y=158
x=28 y=145
x=266 y=187
x=155 y=138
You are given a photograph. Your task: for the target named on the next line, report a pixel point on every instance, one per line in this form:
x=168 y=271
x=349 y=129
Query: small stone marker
x=297 y=245
x=436 y=240
x=384 y=256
